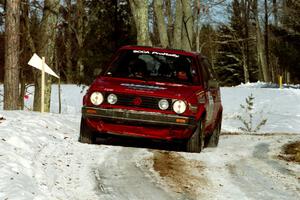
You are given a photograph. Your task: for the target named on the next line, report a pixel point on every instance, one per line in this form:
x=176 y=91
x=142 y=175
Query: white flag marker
x=36 y=62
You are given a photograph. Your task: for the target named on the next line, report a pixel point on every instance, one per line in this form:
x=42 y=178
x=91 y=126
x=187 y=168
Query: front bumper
x=139 y=117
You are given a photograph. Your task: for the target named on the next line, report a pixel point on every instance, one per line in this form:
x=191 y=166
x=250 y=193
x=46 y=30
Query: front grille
x=146 y=102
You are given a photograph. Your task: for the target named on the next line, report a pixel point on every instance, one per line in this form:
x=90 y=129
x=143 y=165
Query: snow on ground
x=280 y=107
x=40 y=157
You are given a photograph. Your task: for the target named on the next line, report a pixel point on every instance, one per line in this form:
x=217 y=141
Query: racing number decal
x=210 y=110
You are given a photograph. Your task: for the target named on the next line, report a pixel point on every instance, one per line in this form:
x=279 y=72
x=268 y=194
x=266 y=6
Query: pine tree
x=247 y=120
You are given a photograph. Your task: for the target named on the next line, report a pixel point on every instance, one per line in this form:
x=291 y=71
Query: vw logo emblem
x=137 y=101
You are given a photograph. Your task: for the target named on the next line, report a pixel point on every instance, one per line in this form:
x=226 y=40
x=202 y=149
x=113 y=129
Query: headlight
x=163 y=104
x=96 y=98
x=112 y=99
x=179 y=106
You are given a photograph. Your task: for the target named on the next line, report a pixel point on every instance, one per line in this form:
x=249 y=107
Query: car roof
x=163 y=50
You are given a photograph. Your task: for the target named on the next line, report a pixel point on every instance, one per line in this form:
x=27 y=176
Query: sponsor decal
x=141 y=51
x=210 y=110
x=156 y=53
x=144 y=87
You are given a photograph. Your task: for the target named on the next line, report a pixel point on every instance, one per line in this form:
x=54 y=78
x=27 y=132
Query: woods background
x=245 y=40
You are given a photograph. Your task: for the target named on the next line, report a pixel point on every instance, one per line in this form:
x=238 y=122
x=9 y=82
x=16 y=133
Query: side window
x=204 y=71
x=194 y=72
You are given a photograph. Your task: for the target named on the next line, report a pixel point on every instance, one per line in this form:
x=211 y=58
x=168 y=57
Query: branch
x=234 y=41
x=36 y=5
x=234 y=57
x=201 y=47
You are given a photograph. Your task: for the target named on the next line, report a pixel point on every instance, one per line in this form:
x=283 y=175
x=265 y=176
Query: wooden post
x=280 y=82
x=59 y=97
x=43 y=86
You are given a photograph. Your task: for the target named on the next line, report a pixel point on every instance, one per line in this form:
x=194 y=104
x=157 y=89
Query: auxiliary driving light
x=163 y=104
x=112 y=99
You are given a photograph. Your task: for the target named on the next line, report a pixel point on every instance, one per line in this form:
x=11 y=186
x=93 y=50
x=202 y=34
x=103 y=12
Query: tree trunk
x=285 y=13
x=155 y=30
x=261 y=53
x=68 y=43
x=260 y=46
x=275 y=12
x=22 y=90
x=161 y=25
x=266 y=37
x=245 y=66
x=80 y=38
x=197 y=24
x=245 y=43
x=170 y=21
x=187 y=36
x=12 y=45
x=139 y=9
x=29 y=39
x=46 y=48
x=178 y=26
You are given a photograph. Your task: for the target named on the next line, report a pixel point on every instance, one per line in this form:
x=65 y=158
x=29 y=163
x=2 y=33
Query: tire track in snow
x=64 y=171
x=260 y=177
x=119 y=178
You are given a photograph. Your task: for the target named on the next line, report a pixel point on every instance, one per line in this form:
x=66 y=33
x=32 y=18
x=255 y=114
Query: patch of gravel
x=291 y=152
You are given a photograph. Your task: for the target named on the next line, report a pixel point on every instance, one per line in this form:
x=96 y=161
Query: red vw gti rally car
x=154 y=93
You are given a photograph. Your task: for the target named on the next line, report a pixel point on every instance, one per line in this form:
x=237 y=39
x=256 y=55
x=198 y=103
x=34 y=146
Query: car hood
x=145 y=88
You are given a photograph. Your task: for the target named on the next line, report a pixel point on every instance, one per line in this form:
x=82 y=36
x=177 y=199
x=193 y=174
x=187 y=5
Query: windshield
x=153 y=66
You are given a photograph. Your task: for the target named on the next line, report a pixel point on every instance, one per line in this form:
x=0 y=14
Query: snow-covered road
x=41 y=158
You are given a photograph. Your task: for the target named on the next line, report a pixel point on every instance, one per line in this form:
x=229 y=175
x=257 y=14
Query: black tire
x=213 y=139
x=86 y=134
x=196 y=143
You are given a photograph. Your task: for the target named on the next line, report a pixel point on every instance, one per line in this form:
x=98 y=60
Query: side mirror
x=213 y=83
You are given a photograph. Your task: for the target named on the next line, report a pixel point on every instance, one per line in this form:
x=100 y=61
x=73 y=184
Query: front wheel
x=196 y=142
x=86 y=134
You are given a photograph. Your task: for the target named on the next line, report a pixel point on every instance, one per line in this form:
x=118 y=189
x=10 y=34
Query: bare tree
x=12 y=45
x=260 y=45
x=275 y=12
x=68 y=43
x=187 y=34
x=178 y=25
x=139 y=9
x=81 y=32
x=170 y=21
x=46 y=48
x=266 y=37
x=197 y=6
x=160 y=19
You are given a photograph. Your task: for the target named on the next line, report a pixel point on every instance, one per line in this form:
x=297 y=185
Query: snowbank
x=280 y=107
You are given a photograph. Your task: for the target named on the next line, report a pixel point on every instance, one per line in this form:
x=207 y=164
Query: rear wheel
x=196 y=142
x=213 y=139
x=86 y=134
